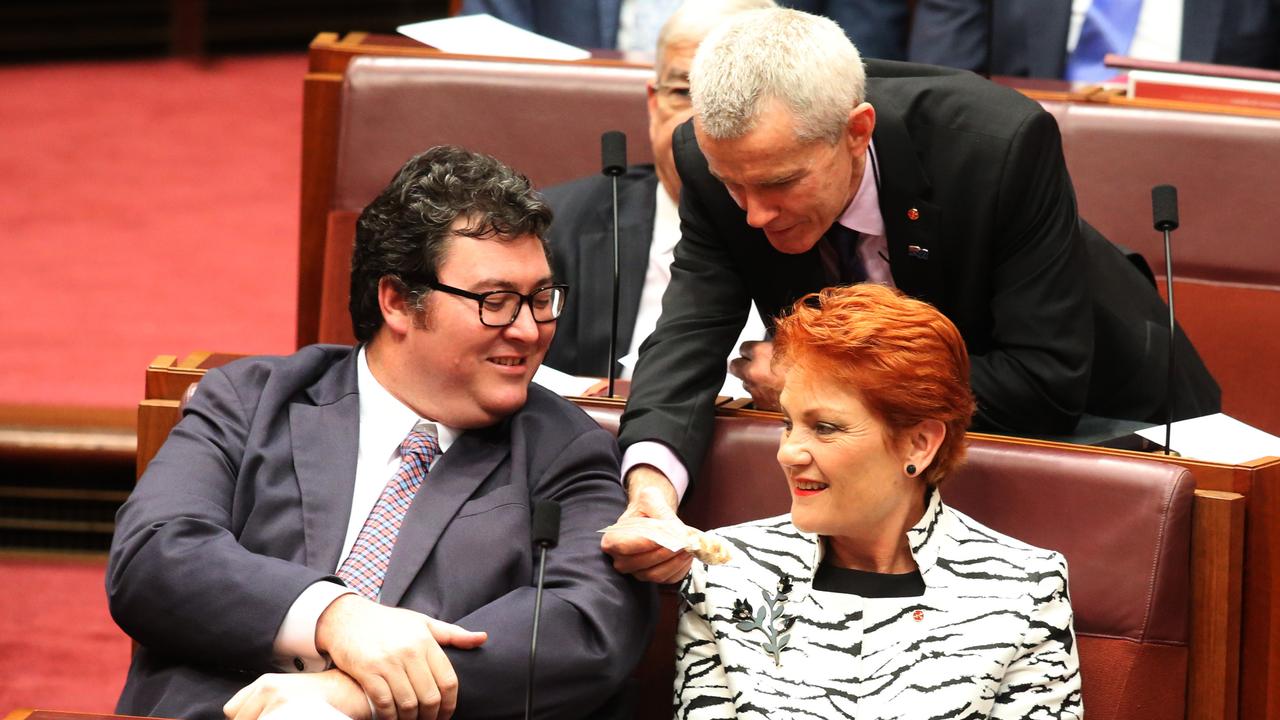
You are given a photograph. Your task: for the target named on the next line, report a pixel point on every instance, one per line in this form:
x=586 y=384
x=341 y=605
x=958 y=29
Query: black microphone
x=546 y=535
x=613 y=162
x=1164 y=207
x=546 y=523
x=1164 y=212
x=613 y=153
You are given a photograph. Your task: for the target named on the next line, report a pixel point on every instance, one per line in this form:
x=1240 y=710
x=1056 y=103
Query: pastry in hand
x=672 y=534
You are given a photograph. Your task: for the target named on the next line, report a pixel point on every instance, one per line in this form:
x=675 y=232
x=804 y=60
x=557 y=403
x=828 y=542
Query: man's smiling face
x=467 y=373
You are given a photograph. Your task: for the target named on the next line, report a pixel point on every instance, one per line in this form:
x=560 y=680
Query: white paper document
x=487 y=35
x=1216 y=438
x=562 y=383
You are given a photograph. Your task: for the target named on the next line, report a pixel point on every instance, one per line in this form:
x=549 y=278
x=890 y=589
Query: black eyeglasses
x=500 y=308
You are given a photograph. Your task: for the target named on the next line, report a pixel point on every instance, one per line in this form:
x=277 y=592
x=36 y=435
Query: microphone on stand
x=613 y=161
x=1164 y=211
x=546 y=534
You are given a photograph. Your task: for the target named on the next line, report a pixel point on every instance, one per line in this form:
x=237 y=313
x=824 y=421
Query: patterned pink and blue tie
x=366 y=564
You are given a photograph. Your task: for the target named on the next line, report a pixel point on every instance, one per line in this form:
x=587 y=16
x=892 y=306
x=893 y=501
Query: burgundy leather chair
x=1226 y=258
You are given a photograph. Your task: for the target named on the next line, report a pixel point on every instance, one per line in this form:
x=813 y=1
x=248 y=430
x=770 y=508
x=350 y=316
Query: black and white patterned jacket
x=990 y=638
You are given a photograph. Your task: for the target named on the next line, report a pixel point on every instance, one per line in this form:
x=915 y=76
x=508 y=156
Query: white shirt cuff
x=295 y=643
x=661 y=458
x=304 y=708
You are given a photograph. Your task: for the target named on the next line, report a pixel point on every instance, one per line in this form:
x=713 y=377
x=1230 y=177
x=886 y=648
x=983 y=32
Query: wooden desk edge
x=1217 y=571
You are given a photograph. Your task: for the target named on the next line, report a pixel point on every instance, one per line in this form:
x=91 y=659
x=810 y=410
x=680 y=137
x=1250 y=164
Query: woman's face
x=845 y=478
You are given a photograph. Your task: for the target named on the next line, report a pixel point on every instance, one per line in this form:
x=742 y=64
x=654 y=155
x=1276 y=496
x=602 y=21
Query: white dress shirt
x=657 y=276
x=384 y=424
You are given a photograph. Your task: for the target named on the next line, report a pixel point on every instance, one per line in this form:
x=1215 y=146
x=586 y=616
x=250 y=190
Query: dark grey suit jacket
x=1028 y=38
x=581 y=240
x=247 y=504
x=1056 y=320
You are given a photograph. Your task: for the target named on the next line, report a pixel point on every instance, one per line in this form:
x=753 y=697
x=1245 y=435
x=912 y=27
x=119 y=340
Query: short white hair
x=691 y=22
x=803 y=61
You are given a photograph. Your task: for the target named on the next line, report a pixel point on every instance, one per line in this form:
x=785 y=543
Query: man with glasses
x=649 y=225
x=351 y=526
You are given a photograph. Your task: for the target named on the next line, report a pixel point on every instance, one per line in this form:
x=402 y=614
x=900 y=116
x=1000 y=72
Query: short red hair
x=906 y=360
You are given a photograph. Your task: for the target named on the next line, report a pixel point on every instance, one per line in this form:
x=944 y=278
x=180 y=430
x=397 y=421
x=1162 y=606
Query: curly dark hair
x=404 y=233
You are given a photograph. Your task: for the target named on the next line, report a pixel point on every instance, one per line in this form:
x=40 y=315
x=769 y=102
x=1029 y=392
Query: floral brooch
x=777 y=629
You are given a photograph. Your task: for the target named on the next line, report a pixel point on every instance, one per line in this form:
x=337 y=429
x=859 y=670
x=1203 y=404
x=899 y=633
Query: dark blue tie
x=1108 y=28
x=845 y=242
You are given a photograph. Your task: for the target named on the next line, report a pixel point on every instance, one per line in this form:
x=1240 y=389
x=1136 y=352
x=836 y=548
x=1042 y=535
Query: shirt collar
x=922 y=538
x=863 y=213
x=385 y=421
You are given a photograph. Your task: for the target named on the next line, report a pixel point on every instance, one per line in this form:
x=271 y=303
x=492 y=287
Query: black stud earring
x=911 y=470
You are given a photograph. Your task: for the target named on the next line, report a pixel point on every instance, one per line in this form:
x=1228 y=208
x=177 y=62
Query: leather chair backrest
x=544 y=120
x=1226 y=258
x=1224 y=167
x=1125 y=528
x=1123 y=524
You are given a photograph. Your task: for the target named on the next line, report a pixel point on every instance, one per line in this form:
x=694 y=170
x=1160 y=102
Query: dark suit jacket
x=1007 y=261
x=1028 y=38
x=584 y=23
x=878 y=28
x=247 y=504
x=581 y=240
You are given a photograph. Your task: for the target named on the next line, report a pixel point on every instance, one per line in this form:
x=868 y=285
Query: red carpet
x=59 y=648
x=150 y=207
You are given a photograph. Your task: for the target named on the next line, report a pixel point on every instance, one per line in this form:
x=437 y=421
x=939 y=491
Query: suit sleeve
x=702 y=685
x=178 y=581
x=1043 y=681
x=682 y=363
x=1034 y=376
x=954 y=33
x=595 y=622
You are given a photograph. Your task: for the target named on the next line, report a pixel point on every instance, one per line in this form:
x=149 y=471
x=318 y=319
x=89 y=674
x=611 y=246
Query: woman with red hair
x=872 y=598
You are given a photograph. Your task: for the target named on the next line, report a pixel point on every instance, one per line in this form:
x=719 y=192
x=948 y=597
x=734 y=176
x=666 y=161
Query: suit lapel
x=455 y=478
x=911 y=222
x=636 y=206
x=325 y=436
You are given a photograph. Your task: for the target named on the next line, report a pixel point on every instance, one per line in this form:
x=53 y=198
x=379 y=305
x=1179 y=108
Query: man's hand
x=755 y=370
x=650 y=494
x=276 y=692
x=395 y=656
